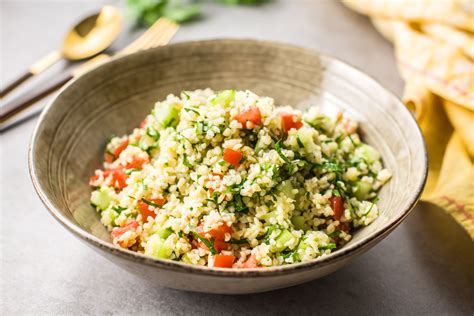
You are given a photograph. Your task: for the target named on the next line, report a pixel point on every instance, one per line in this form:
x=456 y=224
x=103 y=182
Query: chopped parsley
x=237 y=241
x=119 y=209
x=153 y=133
x=300 y=143
x=214 y=200
x=150 y=203
x=288 y=163
x=186 y=162
x=192 y=110
x=208 y=242
x=129 y=171
x=328 y=246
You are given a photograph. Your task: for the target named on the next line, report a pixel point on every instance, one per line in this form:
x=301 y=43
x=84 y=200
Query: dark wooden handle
x=15 y=83
x=16 y=105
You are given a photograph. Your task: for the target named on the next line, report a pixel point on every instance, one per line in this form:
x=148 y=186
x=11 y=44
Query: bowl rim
x=338 y=255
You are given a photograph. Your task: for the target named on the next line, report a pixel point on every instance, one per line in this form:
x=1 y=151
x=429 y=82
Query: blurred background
x=424 y=56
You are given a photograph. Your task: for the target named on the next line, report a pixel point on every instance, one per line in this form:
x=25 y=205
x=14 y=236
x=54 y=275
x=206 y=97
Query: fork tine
x=142 y=38
x=156 y=29
x=163 y=37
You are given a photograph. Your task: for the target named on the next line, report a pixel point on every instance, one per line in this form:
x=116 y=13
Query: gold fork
x=159 y=34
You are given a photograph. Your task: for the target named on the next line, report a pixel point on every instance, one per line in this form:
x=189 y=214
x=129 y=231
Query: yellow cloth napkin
x=434 y=48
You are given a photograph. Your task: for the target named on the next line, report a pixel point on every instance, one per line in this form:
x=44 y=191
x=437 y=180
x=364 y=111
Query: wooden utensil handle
x=42 y=64
x=22 y=102
x=15 y=83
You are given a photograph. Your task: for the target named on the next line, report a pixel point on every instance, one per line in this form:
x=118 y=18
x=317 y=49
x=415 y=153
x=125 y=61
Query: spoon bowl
x=93 y=34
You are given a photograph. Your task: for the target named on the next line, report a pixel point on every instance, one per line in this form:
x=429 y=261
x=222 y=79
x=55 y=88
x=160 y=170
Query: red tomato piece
x=289 y=121
x=129 y=225
x=252 y=114
x=136 y=163
x=218 y=234
x=223 y=261
x=250 y=263
x=108 y=157
x=93 y=179
x=145 y=208
x=337 y=205
x=233 y=157
x=117 y=151
x=143 y=124
x=119 y=177
x=344 y=227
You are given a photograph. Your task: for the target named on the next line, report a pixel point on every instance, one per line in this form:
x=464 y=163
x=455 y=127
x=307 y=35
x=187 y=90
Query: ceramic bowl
x=68 y=143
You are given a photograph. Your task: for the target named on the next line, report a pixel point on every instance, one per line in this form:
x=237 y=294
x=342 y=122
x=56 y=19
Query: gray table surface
x=424 y=267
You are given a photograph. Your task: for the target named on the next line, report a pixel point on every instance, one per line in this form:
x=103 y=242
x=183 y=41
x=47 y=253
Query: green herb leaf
x=129 y=171
x=153 y=133
x=328 y=246
x=208 y=242
x=288 y=163
x=298 y=140
x=186 y=162
x=374 y=201
x=119 y=209
x=150 y=203
x=192 y=110
x=237 y=241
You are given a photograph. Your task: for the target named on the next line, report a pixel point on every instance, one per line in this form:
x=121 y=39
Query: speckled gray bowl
x=69 y=140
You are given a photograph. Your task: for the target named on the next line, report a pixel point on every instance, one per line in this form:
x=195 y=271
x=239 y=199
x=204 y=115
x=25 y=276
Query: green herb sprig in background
x=146 y=12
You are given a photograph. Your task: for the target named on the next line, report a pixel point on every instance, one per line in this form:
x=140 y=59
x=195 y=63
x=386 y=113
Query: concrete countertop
x=424 y=267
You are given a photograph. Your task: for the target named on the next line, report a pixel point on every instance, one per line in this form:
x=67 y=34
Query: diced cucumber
x=323 y=123
x=258 y=146
x=281 y=240
x=269 y=216
x=369 y=153
x=302 y=245
x=164 y=232
x=156 y=247
x=167 y=115
x=305 y=135
x=146 y=142
x=362 y=190
x=101 y=198
x=224 y=98
x=299 y=222
x=287 y=188
x=185 y=258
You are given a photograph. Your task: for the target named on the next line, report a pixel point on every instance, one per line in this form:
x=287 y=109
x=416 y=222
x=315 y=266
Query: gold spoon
x=86 y=39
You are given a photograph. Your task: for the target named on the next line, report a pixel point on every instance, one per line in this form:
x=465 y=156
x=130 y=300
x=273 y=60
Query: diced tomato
x=252 y=114
x=119 y=177
x=108 y=157
x=289 y=121
x=117 y=151
x=218 y=234
x=250 y=263
x=136 y=163
x=129 y=225
x=233 y=157
x=145 y=208
x=143 y=124
x=93 y=179
x=223 y=261
x=337 y=205
x=344 y=227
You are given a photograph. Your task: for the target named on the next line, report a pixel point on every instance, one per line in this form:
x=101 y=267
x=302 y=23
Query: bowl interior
x=69 y=141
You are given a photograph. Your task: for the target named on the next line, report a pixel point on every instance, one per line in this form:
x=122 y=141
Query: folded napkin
x=434 y=48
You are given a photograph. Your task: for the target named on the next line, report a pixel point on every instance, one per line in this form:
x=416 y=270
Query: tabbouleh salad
x=227 y=179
